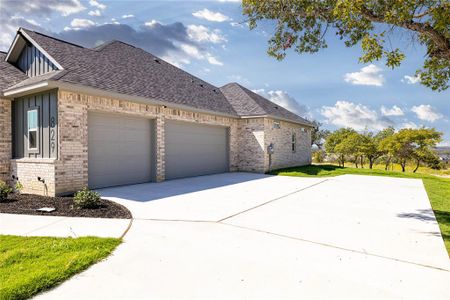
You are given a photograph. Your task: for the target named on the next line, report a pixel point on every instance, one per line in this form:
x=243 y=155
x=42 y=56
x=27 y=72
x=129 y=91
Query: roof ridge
x=110 y=42
x=52 y=37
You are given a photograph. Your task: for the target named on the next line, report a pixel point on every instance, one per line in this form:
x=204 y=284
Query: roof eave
x=70 y=87
x=279 y=119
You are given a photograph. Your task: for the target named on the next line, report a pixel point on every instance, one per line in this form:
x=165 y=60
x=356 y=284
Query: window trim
x=35 y=129
x=294 y=142
x=276 y=125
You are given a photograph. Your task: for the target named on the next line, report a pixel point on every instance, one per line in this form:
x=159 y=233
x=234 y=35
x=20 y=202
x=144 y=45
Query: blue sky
x=210 y=39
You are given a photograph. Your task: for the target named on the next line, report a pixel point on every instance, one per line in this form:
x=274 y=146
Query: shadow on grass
x=309 y=170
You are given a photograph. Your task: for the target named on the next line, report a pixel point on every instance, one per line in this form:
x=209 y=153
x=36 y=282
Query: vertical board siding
x=33 y=62
x=46 y=104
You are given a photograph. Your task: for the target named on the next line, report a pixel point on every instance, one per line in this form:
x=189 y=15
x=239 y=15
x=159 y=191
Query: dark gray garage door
x=120 y=150
x=193 y=149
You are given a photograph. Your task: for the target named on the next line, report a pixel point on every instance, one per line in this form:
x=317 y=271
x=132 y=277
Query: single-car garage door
x=193 y=149
x=120 y=150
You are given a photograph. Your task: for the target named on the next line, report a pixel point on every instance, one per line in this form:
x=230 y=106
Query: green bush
x=5 y=190
x=86 y=199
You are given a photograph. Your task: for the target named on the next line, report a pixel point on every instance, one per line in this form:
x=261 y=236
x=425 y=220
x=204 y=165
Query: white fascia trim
x=278 y=119
x=16 y=38
x=41 y=49
x=70 y=87
x=25 y=89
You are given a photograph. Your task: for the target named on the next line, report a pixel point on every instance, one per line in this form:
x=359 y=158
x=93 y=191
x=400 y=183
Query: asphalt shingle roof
x=122 y=68
x=248 y=103
x=9 y=74
x=125 y=69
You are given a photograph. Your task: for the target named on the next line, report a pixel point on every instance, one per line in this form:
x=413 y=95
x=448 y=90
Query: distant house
x=116 y=115
x=443 y=153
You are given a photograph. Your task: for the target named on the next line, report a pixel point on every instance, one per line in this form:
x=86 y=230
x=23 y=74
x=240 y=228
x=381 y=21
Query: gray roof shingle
x=122 y=68
x=248 y=103
x=125 y=69
x=9 y=74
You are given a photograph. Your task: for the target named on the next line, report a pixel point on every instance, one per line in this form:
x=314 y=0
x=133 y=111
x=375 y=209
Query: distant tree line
x=406 y=146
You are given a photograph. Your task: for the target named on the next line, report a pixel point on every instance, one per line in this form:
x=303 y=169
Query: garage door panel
x=194 y=149
x=120 y=150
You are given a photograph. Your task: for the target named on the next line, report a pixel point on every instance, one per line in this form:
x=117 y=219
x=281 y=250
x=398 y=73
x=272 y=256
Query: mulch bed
x=27 y=204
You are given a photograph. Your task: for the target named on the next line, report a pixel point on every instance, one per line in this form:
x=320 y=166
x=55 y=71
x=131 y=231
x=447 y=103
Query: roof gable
x=248 y=103
x=26 y=53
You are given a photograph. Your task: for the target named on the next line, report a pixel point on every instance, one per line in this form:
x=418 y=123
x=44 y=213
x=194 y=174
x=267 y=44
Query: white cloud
x=81 y=23
x=210 y=15
x=393 y=111
x=408 y=125
x=127 y=16
x=67 y=8
x=213 y=60
x=152 y=23
x=283 y=99
x=95 y=3
x=200 y=33
x=368 y=75
x=426 y=113
x=410 y=79
x=95 y=13
x=357 y=116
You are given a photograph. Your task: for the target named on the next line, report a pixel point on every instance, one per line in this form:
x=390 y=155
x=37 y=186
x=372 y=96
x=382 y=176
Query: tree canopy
x=303 y=24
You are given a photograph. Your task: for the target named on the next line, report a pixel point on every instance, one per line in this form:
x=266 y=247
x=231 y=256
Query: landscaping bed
x=27 y=204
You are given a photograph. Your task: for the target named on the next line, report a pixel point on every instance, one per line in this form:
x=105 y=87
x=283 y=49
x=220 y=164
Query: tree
x=303 y=25
x=334 y=140
x=412 y=144
x=350 y=146
x=380 y=136
x=369 y=147
x=424 y=140
x=318 y=135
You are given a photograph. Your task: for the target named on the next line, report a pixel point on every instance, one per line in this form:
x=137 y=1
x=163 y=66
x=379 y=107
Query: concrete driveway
x=248 y=236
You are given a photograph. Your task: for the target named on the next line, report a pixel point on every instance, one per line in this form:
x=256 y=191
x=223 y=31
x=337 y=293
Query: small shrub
x=18 y=187
x=86 y=199
x=5 y=190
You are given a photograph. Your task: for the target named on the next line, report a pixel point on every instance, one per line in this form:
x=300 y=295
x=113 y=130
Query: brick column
x=160 y=149
x=5 y=139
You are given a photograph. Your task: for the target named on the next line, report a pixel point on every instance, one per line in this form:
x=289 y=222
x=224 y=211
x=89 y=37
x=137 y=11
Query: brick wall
x=5 y=139
x=248 y=138
x=251 y=145
x=72 y=164
x=29 y=169
x=283 y=155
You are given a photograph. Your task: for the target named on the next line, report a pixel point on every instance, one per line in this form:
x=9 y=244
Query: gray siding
x=46 y=104
x=33 y=62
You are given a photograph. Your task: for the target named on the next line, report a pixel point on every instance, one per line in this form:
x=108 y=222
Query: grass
x=438 y=189
x=29 y=265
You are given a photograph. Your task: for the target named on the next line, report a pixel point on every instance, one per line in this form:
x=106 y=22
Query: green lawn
x=438 y=188
x=29 y=265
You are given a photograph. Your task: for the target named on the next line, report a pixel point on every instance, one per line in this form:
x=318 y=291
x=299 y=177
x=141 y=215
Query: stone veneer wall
x=72 y=165
x=29 y=169
x=251 y=145
x=5 y=139
x=282 y=139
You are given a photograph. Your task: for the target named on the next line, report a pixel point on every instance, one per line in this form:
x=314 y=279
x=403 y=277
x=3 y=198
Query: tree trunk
x=371 y=163
x=388 y=162
x=403 y=164
x=417 y=166
x=362 y=162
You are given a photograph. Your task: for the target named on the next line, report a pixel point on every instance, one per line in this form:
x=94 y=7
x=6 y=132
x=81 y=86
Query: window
x=294 y=142
x=32 y=129
x=276 y=125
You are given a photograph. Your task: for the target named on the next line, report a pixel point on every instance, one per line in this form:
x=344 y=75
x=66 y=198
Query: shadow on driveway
x=154 y=191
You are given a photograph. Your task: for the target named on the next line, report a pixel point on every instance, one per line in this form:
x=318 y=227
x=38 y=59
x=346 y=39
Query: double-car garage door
x=121 y=150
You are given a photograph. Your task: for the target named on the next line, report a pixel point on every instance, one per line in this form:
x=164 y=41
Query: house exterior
x=72 y=117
